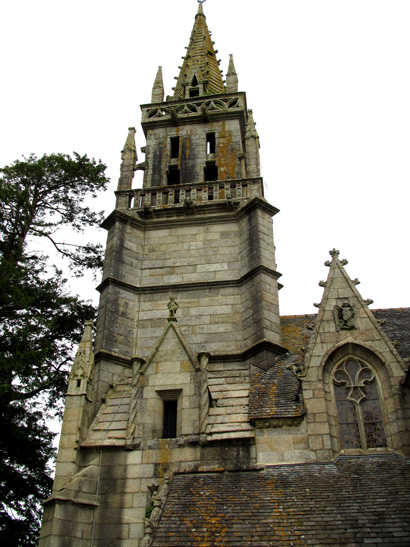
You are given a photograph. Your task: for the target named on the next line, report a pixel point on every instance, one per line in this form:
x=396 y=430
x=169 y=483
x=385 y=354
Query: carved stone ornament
x=173 y=307
x=345 y=317
x=298 y=369
x=263 y=423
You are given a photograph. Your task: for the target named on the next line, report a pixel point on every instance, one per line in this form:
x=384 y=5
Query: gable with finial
x=344 y=318
x=170 y=376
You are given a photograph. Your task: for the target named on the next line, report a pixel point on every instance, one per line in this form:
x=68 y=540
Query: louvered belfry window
x=358 y=406
x=169 y=430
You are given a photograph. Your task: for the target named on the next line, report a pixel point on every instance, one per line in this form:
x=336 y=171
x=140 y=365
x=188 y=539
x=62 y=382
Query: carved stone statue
x=173 y=307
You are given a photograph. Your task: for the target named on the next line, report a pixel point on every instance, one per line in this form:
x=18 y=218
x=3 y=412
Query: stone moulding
x=252 y=351
x=187 y=111
x=113 y=358
x=187 y=286
x=62 y=499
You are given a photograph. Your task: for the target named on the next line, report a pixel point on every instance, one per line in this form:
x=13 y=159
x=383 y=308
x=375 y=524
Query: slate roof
x=396 y=324
x=109 y=427
x=296 y=330
x=354 y=501
x=274 y=393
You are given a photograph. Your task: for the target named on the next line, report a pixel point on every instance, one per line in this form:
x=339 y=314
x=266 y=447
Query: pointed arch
x=356 y=384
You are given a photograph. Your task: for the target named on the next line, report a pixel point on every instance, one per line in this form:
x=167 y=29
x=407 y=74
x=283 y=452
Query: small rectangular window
x=174 y=147
x=210 y=143
x=169 y=430
x=194 y=92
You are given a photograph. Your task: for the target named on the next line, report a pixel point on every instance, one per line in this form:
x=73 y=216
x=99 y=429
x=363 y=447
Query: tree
x=40 y=322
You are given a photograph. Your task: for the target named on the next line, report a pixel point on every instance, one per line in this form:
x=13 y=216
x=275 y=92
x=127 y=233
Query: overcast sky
x=329 y=84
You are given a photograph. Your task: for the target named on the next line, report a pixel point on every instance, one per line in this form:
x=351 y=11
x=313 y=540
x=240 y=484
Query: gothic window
x=358 y=406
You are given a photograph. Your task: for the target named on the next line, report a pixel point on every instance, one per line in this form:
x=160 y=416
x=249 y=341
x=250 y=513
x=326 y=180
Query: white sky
x=329 y=84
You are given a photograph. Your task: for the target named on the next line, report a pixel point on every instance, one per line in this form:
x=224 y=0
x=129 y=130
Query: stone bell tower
x=189 y=304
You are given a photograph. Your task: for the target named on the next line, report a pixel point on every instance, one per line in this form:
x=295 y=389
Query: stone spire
x=199 y=73
x=158 y=88
x=231 y=77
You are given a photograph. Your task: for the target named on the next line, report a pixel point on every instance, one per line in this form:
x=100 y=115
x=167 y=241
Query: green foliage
x=41 y=196
x=148 y=511
x=40 y=322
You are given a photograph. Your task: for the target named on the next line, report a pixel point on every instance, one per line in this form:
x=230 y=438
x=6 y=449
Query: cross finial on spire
x=200 y=8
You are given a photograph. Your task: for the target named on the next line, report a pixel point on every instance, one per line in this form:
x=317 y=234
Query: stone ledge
x=188 y=286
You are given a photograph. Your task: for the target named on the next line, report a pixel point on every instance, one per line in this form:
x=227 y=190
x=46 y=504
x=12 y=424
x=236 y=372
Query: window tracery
x=358 y=406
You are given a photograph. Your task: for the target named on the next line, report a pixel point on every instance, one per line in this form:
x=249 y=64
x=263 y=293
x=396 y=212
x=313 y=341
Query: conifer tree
x=42 y=200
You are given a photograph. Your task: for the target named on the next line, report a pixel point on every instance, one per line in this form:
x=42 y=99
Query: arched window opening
x=194 y=89
x=358 y=406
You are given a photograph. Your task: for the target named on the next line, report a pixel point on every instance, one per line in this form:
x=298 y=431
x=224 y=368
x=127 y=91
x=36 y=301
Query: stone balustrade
x=190 y=194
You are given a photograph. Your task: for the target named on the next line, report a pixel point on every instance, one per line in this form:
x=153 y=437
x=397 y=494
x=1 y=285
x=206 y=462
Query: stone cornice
x=204 y=214
x=262 y=345
x=188 y=286
x=113 y=358
x=193 y=110
x=61 y=499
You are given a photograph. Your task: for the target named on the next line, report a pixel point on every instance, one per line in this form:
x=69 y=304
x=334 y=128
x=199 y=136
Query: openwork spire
x=199 y=73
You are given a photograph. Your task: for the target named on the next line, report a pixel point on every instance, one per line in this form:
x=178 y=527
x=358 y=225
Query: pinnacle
x=130 y=142
x=158 y=88
x=231 y=67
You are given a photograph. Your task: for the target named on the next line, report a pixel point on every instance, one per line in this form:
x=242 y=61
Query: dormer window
x=194 y=89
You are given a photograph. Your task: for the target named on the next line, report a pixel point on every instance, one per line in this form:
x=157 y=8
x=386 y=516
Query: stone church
x=198 y=416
